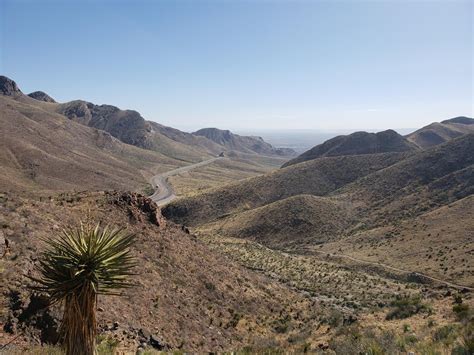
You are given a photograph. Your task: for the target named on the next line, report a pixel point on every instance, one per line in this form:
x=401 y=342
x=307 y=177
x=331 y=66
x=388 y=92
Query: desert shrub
x=405 y=307
x=466 y=346
x=260 y=351
x=148 y=190
x=446 y=334
x=410 y=339
x=236 y=317
x=36 y=350
x=106 y=345
x=281 y=325
x=354 y=341
x=335 y=318
x=462 y=311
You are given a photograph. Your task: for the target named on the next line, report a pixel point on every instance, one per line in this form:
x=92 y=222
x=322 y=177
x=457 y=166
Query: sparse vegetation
x=407 y=306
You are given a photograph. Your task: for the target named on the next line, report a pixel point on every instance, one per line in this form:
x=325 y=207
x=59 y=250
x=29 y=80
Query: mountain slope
x=293 y=221
x=439 y=242
x=43 y=151
x=317 y=177
x=417 y=184
x=438 y=133
x=355 y=144
x=377 y=189
x=381 y=207
x=186 y=295
x=131 y=128
x=245 y=144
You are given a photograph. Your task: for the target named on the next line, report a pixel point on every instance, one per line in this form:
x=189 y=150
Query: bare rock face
x=8 y=87
x=140 y=208
x=41 y=96
x=126 y=125
x=246 y=144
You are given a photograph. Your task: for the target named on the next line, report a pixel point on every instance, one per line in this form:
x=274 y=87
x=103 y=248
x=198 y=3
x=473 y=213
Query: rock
x=155 y=342
x=144 y=334
x=8 y=87
x=139 y=207
x=41 y=96
x=323 y=346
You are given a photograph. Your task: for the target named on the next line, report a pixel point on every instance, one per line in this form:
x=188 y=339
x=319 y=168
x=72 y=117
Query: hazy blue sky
x=249 y=64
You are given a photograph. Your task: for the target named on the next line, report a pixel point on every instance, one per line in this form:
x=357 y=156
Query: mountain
x=355 y=144
x=126 y=125
x=43 y=151
x=331 y=200
x=41 y=96
x=96 y=146
x=294 y=260
x=438 y=133
x=460 y=119
x=131 y=128
x=8 y=87
x=245 y=144
x=317 y=177
x=187 y=138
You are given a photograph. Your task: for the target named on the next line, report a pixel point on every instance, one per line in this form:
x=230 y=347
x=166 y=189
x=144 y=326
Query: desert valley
x=363 y=244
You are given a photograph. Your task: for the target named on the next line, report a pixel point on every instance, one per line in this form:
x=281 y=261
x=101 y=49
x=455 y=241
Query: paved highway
x=163 y=191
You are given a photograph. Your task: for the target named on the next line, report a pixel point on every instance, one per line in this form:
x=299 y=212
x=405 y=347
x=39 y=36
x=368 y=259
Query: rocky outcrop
x=8 y=87
x=126 y=125
x=245 y=144
x=140 y=208
x=41 y=96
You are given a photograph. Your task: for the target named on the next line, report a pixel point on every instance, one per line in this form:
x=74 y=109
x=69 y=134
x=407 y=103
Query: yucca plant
x=75 y=268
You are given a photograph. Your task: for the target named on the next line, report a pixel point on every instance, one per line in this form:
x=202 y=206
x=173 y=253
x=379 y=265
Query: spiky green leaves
x=98 y=258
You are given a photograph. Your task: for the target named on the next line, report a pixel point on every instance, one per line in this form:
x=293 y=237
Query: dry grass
x=43 y=152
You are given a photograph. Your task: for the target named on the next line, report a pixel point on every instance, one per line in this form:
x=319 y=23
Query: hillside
x=317 y=177
x=42 y=151
x=245 y=144
x=438 y=133
x=416 y=184
x=439 y=242
x=131 y=128
x=293 y=221
x=186 y=296
x=355 y=144
x=350 y=197
x=99 y=147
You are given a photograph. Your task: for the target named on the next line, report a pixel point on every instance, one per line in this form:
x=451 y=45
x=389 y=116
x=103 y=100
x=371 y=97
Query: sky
x=243 y=65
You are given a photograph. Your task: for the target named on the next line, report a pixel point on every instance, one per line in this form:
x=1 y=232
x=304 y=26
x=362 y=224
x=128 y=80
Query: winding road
x=163 y=191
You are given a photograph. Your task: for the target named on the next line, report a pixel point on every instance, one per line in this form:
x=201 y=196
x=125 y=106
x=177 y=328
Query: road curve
x=163 y=191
